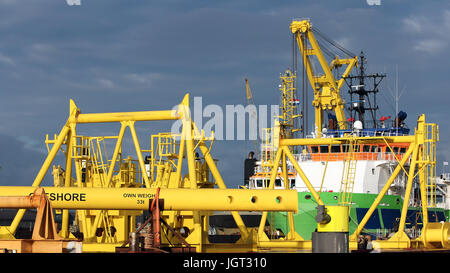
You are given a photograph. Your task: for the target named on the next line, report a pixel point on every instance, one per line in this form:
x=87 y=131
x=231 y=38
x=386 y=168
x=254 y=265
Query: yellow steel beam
x=77 y=117
x=174 y=199
x=125 y=116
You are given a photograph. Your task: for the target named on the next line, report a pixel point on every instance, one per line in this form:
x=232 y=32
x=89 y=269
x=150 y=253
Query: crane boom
x=249 y=92
x=326 y=88
x=251 y=102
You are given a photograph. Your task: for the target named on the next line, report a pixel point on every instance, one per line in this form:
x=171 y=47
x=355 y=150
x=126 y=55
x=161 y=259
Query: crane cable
x=334 y=43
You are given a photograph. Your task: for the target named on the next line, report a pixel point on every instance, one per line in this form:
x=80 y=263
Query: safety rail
x=93 y=157
x=431 y=136
x=334 y=157
x=342 y=156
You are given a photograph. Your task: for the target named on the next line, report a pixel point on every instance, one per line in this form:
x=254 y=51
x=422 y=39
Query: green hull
x=383 y=221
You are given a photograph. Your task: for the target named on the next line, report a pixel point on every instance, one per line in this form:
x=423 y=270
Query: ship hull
x=383 y=221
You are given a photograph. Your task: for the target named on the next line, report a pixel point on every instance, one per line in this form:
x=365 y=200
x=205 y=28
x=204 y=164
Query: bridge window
x=314 y=149
x=259 y=183
x=292 y=182
x=366 y=148
x=278 y=183
x=324 y=149
x=335 y=148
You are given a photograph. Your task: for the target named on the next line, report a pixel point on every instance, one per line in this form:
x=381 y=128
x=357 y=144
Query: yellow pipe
x=125 y=116
x=19 y=202
x=174 y=199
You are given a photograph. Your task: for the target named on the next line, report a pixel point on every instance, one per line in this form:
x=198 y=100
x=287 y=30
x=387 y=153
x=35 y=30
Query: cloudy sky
x=111 y=56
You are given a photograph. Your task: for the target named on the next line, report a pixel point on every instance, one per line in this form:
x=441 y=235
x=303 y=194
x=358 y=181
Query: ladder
x=349 y=173
x=431 y=136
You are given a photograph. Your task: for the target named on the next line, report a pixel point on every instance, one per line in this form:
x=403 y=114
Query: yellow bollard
x=339 y=220
x=332 y=235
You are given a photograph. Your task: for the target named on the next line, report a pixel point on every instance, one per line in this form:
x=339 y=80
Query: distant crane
x=251 y=102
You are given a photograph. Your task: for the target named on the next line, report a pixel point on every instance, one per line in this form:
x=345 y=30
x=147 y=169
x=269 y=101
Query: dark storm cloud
x=145 y=55
x=19 y=163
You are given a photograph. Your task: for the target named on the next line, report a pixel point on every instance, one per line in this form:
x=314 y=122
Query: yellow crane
x=250 y=101
x=325 y=86
x=248 y=92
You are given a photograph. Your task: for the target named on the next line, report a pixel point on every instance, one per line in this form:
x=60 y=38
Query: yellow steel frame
x=74 y=155
x=433 y=235
x=195 y=217
x=421 y=156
